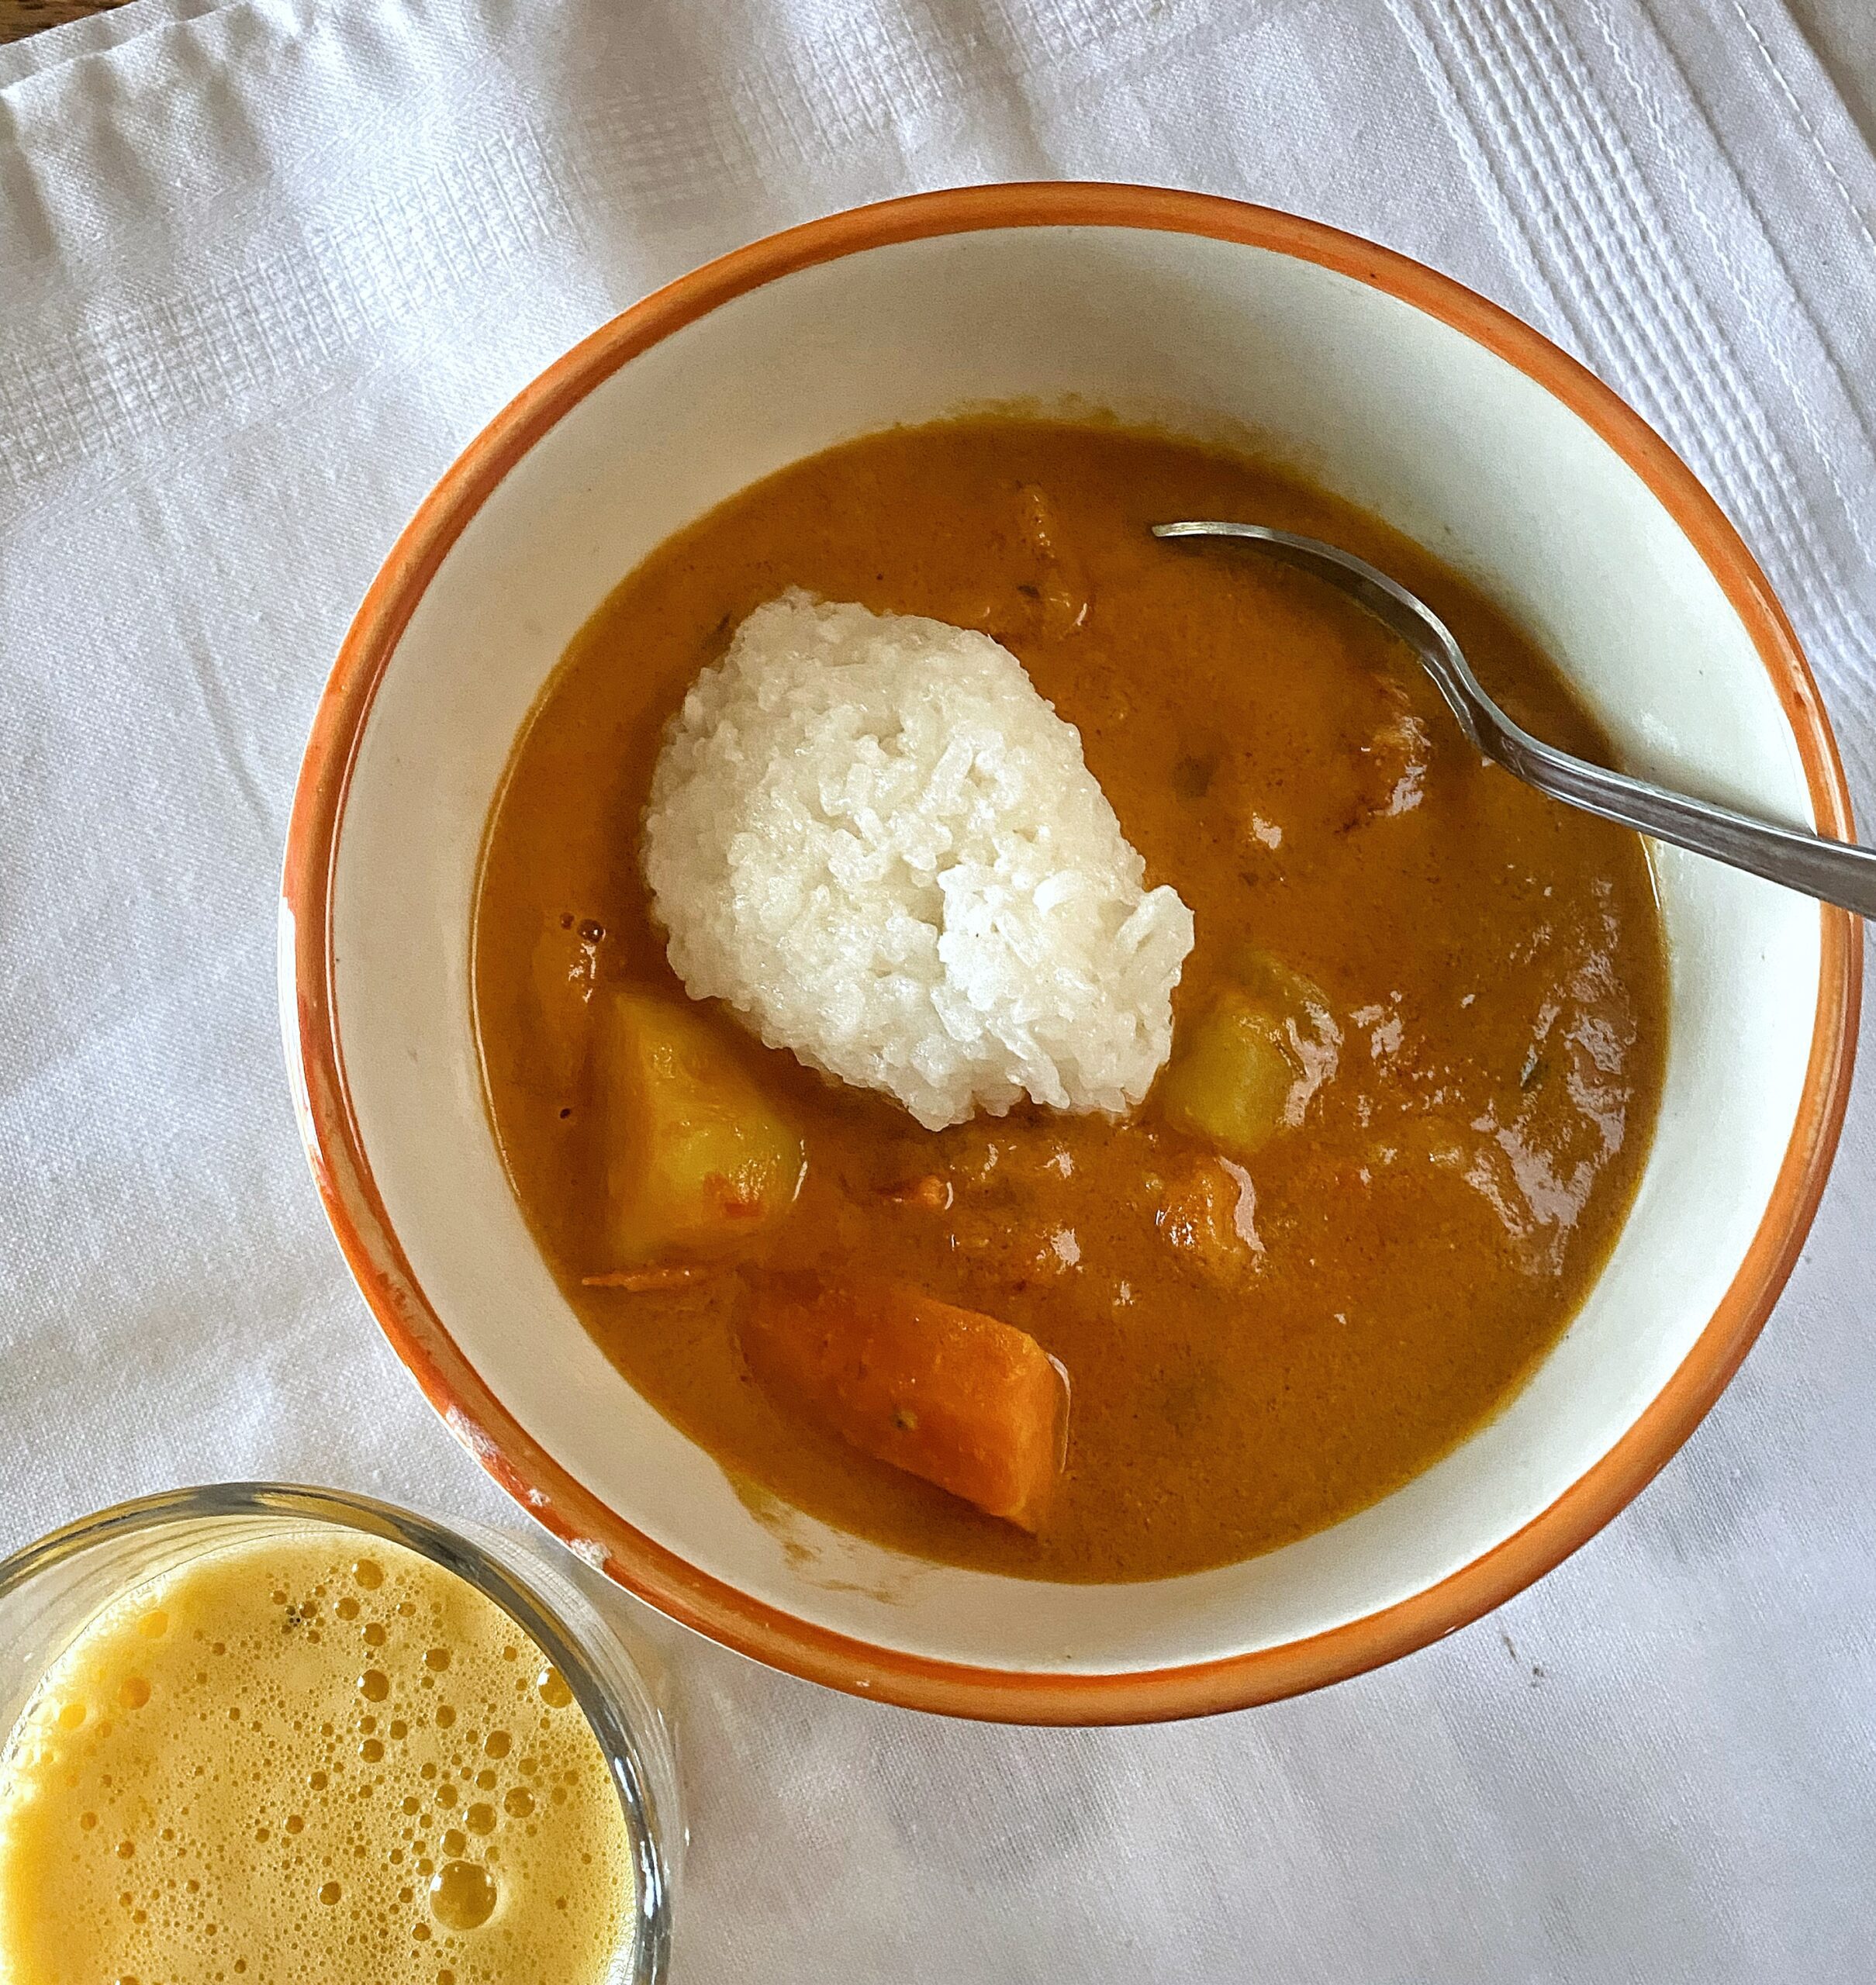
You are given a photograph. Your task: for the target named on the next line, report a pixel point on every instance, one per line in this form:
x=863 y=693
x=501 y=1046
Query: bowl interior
x=1384 y=403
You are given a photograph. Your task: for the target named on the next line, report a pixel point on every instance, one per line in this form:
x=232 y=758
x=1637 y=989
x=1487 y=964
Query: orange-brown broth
x=1494 y=960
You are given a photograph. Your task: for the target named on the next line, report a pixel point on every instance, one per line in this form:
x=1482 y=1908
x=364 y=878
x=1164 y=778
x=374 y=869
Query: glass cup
x=51 y=1590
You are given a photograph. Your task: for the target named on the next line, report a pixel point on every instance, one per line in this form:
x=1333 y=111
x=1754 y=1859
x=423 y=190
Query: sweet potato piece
x=966 y=1402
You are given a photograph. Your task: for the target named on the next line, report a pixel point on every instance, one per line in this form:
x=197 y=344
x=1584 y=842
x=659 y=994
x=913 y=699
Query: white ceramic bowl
x=1397 y=388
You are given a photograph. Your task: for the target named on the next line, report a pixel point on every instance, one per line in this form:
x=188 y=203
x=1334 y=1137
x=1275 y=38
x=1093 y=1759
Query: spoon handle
x=1834 y=871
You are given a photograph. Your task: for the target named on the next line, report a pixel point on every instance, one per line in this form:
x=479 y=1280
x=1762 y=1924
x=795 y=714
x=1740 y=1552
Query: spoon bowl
x=1834 y=871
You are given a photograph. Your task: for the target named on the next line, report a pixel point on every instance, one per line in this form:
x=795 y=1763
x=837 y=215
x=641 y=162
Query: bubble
x=348 y=1608
x=420 y=1931
x=455 y=1842
x=155 y=1623
x=134 y=1692
x=374 y=1684
x=485 y=1779
x=126 y=1848
x=518 y=1803
x=371 y=1750
x=374 y=1634
x=437 y=1659
x=462 y=1895
x=319 y=1781
x=367 y=1573
x=294 y=1823
x=329 y=1893
x=480 y=1817
x=498 y=1743
x=446 y=1717
x=71 y=1716
x=411 y=1802
x=399 y=1729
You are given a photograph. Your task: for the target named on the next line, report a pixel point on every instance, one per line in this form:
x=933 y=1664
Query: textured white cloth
x=265 y=267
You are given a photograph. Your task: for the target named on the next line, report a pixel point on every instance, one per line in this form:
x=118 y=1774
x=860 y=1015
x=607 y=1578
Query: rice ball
x=872 y=837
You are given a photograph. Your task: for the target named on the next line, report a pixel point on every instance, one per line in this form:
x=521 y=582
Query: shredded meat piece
x=1054 y=602
x=1394 y=762
x=638 y=1280
x=1199 y=1217
x=1061 y=583
x=931 y=1193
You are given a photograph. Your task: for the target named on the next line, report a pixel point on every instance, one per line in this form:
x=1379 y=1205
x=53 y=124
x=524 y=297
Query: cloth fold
x=265 y=266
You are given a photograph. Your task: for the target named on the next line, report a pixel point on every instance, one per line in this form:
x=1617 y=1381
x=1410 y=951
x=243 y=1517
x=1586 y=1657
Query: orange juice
x=314 y=1757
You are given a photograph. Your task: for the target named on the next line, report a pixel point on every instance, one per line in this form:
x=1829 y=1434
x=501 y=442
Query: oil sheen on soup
x=1258 y=1341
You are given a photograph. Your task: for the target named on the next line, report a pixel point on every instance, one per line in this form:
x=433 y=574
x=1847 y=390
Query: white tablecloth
x=265 y=266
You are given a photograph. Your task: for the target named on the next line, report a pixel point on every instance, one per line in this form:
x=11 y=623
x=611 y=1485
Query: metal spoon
x=1833 y=870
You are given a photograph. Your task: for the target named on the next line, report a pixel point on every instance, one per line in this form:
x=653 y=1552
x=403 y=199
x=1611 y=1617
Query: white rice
x=872 y=837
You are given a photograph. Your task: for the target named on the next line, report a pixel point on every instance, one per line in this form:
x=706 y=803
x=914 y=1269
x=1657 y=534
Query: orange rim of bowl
x=342 y=1167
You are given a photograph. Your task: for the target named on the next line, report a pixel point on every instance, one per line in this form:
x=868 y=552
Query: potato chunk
x=1230 y=1081
x=696 y=1159
x=1250 y=1064
x=959 y=1399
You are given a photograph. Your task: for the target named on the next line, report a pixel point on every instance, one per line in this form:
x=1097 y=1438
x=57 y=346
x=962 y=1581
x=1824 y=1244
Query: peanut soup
x=1418 y=1045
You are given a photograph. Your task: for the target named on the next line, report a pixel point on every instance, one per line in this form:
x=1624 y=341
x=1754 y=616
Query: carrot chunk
x=968 y=1403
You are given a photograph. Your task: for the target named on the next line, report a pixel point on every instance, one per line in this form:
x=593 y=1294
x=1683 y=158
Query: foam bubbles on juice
x=290 y=1761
